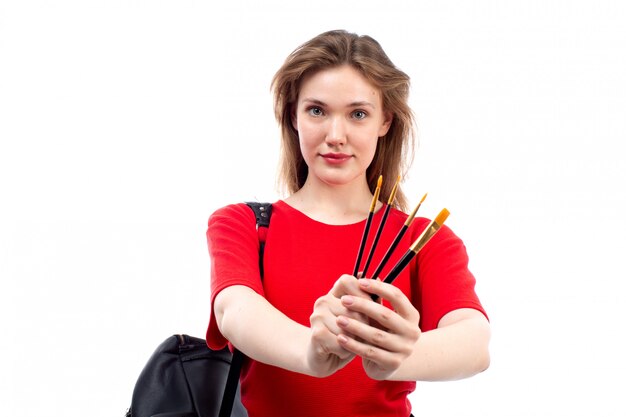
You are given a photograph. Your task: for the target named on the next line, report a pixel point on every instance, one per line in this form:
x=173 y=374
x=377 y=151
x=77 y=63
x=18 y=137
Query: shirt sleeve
x=445 y=281
x=233 y=244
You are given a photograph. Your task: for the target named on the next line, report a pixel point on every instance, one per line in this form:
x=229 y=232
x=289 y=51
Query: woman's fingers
x=378 y=363
x=372 y=336
x=326 y=309
x=380 y=316
x=346 y=322
x=388 y=337
x=347 y=284
x=399 y=302
x=324 y=343
x=333 y=320
x=325 y=312
x=384 y=359
x=325 y=353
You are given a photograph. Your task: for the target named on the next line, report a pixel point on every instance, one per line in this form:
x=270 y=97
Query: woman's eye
x=315 y=111
x=359 y=114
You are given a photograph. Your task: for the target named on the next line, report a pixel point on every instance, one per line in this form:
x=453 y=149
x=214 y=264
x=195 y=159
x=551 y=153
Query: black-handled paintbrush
x=397 y=239
x=379 y=232
x=368 y=224
x=419 y=243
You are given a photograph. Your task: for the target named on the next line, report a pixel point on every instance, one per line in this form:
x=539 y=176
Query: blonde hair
x=394 y=152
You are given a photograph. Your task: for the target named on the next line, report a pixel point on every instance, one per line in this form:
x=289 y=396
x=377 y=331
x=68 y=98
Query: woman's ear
x=384 y=127
x=294 y=118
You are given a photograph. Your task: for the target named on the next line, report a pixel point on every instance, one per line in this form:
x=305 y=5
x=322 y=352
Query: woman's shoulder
x=231 y=211
x=234 y=213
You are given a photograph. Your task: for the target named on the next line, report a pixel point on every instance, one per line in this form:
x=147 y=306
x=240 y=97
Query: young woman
x=319 y=345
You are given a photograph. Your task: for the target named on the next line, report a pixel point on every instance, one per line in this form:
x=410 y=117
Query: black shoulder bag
x=184 y=378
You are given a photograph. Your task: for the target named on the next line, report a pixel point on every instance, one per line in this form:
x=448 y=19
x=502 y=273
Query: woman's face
x=339 y=118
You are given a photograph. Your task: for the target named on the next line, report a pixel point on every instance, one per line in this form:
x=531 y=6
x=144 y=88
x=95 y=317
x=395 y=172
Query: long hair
x=394 y=152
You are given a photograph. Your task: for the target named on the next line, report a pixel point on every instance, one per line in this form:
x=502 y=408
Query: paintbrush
x=401 y=233
x=379 y=232
x=419 y=243
x=368 y=223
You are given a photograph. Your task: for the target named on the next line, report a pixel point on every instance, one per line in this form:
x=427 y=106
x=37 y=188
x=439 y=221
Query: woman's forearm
x=260 y=331
x=457 y=349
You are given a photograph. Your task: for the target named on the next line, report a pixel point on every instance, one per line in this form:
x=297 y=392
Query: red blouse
x=303 y=258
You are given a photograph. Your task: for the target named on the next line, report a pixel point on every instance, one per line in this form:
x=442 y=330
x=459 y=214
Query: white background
x=124 y=124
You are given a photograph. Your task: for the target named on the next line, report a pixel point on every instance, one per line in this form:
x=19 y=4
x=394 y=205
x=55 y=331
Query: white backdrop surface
x=124 y=124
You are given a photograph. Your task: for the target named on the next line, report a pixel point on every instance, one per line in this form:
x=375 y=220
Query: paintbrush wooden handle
x=362 y=245
x=399 y=267
x=393 y=246
x=379 y=232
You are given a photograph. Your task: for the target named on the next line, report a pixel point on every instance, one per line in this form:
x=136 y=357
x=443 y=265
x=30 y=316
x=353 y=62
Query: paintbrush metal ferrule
x=409 y=219
x=381 y=226
x=430 y=231
x=375 y=242
x=397 y=239
x=367 y=225
x=394 y=190
x=376 y=194
x=419 y=243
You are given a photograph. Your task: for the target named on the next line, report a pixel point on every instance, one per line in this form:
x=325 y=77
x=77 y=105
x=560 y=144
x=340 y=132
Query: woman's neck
x=333 y=204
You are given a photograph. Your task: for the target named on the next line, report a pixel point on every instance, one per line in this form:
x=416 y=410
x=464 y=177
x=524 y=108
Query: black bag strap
x=262 y=212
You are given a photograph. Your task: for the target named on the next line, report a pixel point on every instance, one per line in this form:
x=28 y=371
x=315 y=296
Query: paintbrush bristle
x=414 y=212
x=376 y=194
x=394 y=190
x=442 y=216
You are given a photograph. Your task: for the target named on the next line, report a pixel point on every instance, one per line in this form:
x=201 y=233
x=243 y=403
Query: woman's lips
x=335 y=158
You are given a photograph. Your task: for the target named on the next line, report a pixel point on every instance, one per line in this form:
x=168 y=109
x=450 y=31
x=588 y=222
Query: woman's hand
x=388 y=337
x=325 y=355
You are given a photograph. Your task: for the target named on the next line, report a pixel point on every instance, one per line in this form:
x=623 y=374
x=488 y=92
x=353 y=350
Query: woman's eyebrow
x=314 y=101
x=360 y=103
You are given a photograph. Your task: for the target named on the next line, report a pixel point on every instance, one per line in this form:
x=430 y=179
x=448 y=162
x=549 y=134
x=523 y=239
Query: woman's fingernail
x=364 y=282
x=342 y=321
x=342 y=339
x=347 y=300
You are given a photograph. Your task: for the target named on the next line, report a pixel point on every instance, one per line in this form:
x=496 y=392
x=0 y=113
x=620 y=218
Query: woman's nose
x=336 y=134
